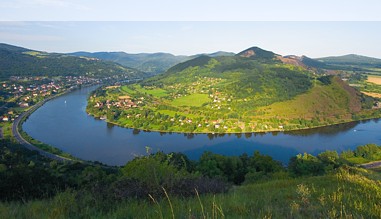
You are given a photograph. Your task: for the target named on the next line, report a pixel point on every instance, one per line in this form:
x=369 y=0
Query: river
x=63 y=123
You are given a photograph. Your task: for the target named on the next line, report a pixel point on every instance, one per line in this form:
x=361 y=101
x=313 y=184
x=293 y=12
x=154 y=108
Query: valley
x=254 y=91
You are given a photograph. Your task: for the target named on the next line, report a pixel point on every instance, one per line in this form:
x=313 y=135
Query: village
x=19 y=93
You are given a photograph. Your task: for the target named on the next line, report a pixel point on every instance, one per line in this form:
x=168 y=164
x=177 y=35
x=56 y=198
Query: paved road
x=371 y=165
x=28 y=145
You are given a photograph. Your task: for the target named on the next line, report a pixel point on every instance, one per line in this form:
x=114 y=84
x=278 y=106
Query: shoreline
x=253 y=132
x=17 y=130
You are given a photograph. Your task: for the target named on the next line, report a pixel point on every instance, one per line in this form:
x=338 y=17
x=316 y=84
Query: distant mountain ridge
x=351 y=59
x=18 y=61
x=152 y=63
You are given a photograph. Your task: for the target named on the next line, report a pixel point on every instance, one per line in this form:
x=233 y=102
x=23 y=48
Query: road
x=371 y=165
x=28 y=145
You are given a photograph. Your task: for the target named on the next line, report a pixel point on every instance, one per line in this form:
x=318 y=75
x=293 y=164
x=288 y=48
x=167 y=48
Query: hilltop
x=255 y=90
x=18 y=61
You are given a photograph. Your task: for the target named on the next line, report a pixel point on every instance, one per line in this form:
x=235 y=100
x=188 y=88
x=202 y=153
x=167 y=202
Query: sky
x=312 y=28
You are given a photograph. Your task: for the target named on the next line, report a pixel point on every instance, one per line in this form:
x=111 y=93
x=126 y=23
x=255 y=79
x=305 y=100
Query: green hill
x=252 y=91
x=352 y=62
x=152 y=63
x=17 y=61
x=257 y=53
x=351 y=59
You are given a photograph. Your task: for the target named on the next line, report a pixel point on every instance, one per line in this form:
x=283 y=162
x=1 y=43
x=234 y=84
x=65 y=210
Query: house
x=23 y=104
x=5 y=119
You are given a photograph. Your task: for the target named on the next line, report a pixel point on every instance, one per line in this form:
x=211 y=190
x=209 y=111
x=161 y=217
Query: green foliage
x=18 y=62
x=219 y=94
x=54 y=190
x=348 y=193
x=236 y=169
x=326 y=80
x=369 y=152
x=153 y=171
x=151 y=63
x=305 y=165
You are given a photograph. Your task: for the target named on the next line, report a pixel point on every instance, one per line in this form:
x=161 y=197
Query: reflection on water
x=327 y=130
x=70 y=129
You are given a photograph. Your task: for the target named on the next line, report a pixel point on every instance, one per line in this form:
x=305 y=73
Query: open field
x=374 y=79
x=157 y=92
x=126 y=89
x=326 y=100
x=372 y=94
x=196 y=100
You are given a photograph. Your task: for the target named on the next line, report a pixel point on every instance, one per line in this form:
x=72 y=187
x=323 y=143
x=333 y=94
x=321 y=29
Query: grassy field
x=320 y=100
x=196 y=100
x=372 y=94
x=375 y=79
x=126 y=89
x=157 y=92
x=348 y=193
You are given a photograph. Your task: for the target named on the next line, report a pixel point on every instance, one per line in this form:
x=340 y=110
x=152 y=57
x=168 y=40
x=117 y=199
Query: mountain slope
x=252 y=91
x=153 y=63
x=17 y=61
x=257 y=53
x=329 y=101
x=352 y=59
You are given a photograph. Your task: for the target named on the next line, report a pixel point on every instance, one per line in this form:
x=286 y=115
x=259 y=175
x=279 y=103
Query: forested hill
x=152 y=63
x=352 y=59
x=17 y=61
x=254 y=74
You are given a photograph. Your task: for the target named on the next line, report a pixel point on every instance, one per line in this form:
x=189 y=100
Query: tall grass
x=348 y=193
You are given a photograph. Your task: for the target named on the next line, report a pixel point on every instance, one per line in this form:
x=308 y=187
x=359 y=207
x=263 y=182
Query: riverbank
x=232 y=132
x=70 y=128
x=16 y=126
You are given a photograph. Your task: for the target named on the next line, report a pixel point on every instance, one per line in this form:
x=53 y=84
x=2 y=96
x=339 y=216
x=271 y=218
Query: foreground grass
x=348 y=193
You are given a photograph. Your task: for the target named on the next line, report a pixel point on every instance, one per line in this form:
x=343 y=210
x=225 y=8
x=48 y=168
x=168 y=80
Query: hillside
x=327 y=103
x=152 y=63
x=302 y=61
x=252 y=91
x=17 y=61
x=352 y=60
x=324 y=186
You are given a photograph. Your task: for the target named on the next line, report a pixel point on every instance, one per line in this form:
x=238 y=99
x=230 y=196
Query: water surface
x=63 y=123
